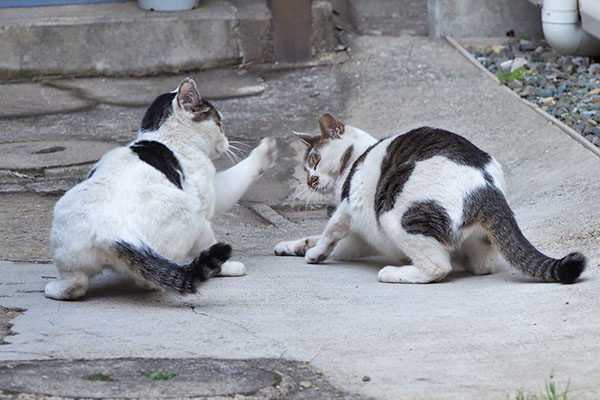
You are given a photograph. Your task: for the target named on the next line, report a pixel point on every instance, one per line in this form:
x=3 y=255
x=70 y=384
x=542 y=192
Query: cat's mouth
x=317 y=185
x=313 y=182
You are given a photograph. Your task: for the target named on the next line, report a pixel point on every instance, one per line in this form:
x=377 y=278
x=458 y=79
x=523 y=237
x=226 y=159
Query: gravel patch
x=567 y=87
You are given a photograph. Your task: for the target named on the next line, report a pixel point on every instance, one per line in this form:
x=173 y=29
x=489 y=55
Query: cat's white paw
x=284 y=249
x=232 y=268
x=266 y=153
x=314 y=256
x=389 y=275
x=64 y=289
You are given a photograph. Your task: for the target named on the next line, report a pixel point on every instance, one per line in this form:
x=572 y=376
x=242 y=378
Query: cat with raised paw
x=427 y=198
x=144 y=209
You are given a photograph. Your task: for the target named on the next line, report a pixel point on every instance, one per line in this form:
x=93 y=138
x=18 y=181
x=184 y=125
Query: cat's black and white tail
x=488 y=206
x=169 y=276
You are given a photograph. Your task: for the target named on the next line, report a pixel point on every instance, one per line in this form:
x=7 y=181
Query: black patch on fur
x=488 y=178
x=345 y=159
x=160 y=157
x=390 y=184
x=418 y=145
x=428 y=218
x=158 y=112
x=357 y=163
x=488 y=207
x=183 y=279
x=425 y=142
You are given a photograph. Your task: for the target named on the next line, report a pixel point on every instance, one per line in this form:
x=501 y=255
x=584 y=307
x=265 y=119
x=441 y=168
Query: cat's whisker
x=232 y=156
x=238 y=151
x=237 y=142
x=300 y=190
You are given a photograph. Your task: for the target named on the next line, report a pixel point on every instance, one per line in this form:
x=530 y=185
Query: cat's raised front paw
x=266 y=153
x=314 y=256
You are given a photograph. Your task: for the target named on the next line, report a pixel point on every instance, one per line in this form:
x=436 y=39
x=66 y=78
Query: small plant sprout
x=550 y=393
x=518 y=74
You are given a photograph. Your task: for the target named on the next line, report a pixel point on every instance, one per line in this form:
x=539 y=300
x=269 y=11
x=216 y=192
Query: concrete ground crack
x=240 y=326
x=6 y=315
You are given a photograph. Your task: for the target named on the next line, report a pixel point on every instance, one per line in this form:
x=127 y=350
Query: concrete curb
x=568 y=130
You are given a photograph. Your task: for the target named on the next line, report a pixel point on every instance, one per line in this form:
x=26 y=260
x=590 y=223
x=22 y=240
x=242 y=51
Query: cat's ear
x=331 y=128
x=187 y=94
x=308 y=140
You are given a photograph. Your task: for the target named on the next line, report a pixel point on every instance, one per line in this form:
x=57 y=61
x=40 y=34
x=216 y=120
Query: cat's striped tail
x=167 y=275
x=488 y=206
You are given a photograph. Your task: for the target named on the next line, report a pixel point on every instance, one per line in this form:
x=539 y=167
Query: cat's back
x=425 y=142
x=122 y=186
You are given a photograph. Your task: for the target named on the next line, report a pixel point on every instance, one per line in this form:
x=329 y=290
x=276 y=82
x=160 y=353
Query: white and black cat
x=427 y=195
x=144 y=209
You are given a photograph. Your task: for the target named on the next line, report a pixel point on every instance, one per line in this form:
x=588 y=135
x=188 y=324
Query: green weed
x=517 y=74
x=551 y=393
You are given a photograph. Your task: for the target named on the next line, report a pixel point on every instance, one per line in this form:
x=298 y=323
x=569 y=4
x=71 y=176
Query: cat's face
x=184 y=112
x=327 y=155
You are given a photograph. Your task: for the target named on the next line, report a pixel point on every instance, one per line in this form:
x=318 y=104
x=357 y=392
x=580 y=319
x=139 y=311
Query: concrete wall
x=484 y=18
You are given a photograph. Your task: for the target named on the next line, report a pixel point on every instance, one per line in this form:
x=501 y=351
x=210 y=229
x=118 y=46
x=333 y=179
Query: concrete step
x=390 y=17
x=120 y=39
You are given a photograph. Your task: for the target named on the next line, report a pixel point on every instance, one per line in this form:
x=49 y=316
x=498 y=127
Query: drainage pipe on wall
x=563 y=30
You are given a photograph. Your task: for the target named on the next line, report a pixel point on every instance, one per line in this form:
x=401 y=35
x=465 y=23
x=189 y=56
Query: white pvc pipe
x=563 y=31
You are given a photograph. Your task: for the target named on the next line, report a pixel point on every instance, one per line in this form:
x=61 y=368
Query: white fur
x=128 y=200
x=356 y=218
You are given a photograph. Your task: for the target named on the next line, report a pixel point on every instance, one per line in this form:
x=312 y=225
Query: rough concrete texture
x=48 y=154
x=465 y=338
x=155 y=378
x=390 y=17
x=484 y=18
x=29 y=99
x=216 y=84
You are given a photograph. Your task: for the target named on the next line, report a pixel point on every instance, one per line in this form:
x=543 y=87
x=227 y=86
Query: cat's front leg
x=337 y=228
x=231 y=184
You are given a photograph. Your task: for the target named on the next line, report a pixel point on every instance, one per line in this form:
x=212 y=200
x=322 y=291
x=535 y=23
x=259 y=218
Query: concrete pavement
x=465 y=338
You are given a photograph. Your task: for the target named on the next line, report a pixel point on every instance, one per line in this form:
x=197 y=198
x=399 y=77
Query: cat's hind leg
x=430 y=262
x=478 y=255
x=350 y=248
x=70 y=286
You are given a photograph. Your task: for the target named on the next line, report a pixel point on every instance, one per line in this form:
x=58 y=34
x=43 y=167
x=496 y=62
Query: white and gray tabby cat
x=144 y=209
x=428 y=195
